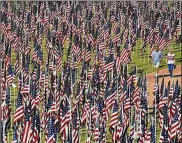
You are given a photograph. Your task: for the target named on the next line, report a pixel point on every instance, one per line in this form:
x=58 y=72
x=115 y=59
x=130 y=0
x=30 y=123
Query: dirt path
x=151 y=80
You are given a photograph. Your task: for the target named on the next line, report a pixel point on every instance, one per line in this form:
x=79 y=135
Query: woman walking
x=170 y=61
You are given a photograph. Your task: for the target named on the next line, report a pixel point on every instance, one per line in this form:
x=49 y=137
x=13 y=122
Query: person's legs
x=157 y=70
x=157 y=67
x=170 y=67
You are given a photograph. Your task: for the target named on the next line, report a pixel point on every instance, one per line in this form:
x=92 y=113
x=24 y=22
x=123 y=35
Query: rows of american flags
x=68 y=64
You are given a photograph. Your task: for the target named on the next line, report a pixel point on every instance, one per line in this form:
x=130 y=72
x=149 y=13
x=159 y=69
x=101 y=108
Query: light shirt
x=170 y=58
x=156 y=56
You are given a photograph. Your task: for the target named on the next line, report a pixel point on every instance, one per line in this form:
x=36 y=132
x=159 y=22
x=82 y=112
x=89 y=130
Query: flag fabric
x=26 y=132
x=114 y=116
x=19 y=113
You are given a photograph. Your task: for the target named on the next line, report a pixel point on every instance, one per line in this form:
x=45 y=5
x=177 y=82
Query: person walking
x=170 y=61
x=156 y=58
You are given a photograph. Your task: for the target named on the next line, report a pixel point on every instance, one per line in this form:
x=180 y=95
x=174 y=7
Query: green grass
x=142 y=62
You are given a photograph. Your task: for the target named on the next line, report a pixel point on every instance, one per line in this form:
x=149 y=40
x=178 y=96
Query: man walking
x=156 y=58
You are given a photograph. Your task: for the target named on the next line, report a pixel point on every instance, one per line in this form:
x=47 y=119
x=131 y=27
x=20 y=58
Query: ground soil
x=165 y=72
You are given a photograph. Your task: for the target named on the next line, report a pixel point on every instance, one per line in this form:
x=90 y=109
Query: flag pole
x=130 y=106
x=10 y=114
x=140 y=120
x=86 y=94
x=89 y=120
x=147 y=97
x=180 y=17
x=0 y=98
x=14 y=100
x=127 y=68
x=43 y=137
x=155 y=106
x=148 y=55
x=140 y=53
x=180 y=23
x=117 y=94
x=56 y=95
x=39 y=110
x=71 y=104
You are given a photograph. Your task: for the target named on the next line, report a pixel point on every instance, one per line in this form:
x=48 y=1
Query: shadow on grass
x=169 y=75
x=179 y=60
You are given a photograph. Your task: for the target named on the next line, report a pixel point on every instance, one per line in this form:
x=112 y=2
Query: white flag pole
x=14 y=86
x=180 y=17
x=155 y=106
x=0 y=97
x=147 y=97
x=117 y=94
x=180 y=24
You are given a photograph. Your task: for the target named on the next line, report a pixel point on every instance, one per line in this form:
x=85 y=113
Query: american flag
x=163 y=100
x=34 y=37
x=66 y=120
x=124 y=57
x=114 y=116
x=149 y=134
x=15 y=136
x=50 y=130
x=136 y=95
x=153 y=135
x=165 y=41
x=127 y=102
x=19 y=113
x=110 y=100
x=132 y=129
x=174 y=126
x=27 y=125
x=96 y=133
x=10 y=76
x=108 y=67
x=25 y=89
x=162 y=135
